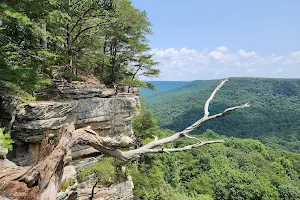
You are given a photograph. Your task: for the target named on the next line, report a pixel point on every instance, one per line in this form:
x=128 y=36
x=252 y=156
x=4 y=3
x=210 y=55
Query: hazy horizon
x=153 y=80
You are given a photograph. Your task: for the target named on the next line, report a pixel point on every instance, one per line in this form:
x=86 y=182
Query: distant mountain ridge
x=273 y=118
x=162 y=86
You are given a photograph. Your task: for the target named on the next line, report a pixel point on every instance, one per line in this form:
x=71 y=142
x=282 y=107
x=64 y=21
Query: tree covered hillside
x=238 y=169
x=273 y=118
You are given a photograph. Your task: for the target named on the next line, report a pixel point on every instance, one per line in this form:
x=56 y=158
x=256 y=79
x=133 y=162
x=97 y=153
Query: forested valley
x=251 y=153
x=271 y=123
x=273 y=117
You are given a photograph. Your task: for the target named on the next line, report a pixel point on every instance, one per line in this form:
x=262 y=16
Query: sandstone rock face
x=107 y=116
x=62 y=89
x=68 y=173
x=111 y=114
x=118 y=191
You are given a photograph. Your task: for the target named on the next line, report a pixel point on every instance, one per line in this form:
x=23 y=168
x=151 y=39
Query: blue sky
x=195 y=39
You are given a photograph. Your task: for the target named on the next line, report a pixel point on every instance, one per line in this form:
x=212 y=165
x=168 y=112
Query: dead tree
x=48 y=172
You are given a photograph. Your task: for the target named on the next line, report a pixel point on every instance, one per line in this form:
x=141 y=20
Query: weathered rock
x=118 y=191
x=121 y=190
x=70 y=193
x=68 y=173
x=61 y=89
x=100 y=113
x=107 y=116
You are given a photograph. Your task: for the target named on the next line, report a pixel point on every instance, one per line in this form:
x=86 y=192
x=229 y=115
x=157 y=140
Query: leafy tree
x=45 y=39
x=125 y=46
x=144 y=125
x=20 y=46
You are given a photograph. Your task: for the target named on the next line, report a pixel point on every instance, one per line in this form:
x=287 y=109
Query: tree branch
x=206 y=113
x=85 y=29
x=80 y=18
x=131 y=154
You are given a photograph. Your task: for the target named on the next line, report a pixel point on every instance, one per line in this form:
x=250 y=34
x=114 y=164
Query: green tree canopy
x=44 y=39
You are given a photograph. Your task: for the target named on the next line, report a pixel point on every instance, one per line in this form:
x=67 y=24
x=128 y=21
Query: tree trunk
x=93 y=190
x=69 y=53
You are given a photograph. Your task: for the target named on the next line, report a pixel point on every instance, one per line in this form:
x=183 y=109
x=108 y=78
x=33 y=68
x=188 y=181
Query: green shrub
x=13 y=91
x=102 y=172
x=68 y=74
x=5 y=140
x=64 y=185
x=27 y=79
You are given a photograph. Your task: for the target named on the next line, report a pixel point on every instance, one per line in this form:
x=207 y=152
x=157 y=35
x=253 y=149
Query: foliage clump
x=104 y=172
x=5 y=140
x=64 y=185
x=101 y=172
x=13 y=92
x=104 y=38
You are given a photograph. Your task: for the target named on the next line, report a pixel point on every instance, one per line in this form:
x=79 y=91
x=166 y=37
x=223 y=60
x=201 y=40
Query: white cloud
x=245 y=54
x=278 y=70
x=189 y=64
x=221 y=56
x=251 y=70
x=222 y=49
x=217 y=55
x=293 y=58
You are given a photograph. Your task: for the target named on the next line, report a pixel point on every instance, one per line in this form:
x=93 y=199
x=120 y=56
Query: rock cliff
x=107 y=111
x=107 y=116
x=83 y=104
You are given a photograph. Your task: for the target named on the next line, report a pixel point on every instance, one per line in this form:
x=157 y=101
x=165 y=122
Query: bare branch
x=86 y=29
x=80 y=18
x=228 y=110
x=191 y=137
x=206 y=113
x=155 y=137
x=135 y=153
x=200 y=121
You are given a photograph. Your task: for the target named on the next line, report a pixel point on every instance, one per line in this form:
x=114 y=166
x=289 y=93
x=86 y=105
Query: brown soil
x=19 y=191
